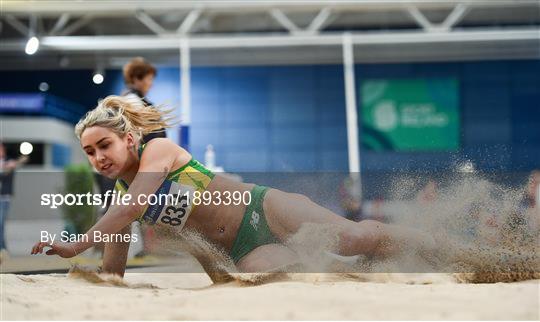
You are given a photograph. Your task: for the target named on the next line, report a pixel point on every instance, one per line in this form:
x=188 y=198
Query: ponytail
x=123 y=115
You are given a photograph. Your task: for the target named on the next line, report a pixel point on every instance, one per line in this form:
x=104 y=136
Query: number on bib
x=172 y=210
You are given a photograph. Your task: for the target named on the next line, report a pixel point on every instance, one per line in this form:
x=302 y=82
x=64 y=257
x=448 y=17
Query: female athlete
x=253 y=233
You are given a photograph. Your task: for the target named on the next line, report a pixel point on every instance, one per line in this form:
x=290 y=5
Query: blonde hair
x=123 y=115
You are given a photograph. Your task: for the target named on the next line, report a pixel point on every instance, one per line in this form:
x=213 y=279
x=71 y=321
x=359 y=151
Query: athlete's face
x=109 y=153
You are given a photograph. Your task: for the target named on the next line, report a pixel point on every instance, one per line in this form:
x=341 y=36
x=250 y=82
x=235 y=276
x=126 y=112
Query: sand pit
x=184 y=292
x=190 y=296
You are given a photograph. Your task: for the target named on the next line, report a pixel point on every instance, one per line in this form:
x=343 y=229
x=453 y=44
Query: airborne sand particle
x=472 y=219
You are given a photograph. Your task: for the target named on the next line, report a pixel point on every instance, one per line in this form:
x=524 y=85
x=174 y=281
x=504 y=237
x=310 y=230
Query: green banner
x=410 y=114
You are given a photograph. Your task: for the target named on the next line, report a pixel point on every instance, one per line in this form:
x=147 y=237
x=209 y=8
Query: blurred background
x=378 y=88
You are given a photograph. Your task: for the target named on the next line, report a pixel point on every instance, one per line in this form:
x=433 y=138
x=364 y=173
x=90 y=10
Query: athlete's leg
x=267 y=258
x=287 y=212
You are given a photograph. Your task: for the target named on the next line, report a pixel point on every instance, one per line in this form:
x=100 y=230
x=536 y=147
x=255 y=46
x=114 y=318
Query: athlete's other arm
x=156 y=162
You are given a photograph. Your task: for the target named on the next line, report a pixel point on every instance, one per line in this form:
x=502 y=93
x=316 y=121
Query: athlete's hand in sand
x=65 y=250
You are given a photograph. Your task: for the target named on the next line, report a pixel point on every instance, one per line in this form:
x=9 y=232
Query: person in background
x=7 y=174
x=139 y=77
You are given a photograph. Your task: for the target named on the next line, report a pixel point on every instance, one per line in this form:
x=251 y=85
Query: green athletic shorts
x=254 y=230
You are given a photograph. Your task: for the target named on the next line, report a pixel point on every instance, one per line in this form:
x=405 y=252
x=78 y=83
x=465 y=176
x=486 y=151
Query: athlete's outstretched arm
x=156 y=162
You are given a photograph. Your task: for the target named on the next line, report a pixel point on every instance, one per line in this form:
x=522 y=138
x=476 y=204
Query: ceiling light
x=98 y=78
x=32 y=46
x=26 y=148
x=43 y=86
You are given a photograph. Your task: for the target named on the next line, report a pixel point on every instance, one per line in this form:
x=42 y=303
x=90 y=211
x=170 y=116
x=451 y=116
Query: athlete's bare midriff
x=219 y=223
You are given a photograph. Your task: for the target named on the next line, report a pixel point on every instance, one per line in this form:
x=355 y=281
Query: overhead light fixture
x=32 y=46
x=26 y=148
x=98 y=77
x=43 y=86
x=99 y=72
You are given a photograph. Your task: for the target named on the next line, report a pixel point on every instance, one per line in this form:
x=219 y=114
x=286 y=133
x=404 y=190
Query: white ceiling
x=82 y=34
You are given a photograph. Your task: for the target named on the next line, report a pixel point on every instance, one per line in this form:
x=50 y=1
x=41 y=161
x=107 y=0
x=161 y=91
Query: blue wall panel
x=500 y=113
x=61 y=155
x=292 y=118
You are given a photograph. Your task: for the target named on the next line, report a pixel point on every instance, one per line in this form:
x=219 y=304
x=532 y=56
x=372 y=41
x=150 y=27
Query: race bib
x=173 y=207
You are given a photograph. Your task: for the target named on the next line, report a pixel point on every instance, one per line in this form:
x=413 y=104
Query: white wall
x=32 y=181
x=41 y=129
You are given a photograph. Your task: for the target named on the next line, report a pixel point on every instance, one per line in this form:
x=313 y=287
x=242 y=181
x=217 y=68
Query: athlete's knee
x=255 y=264
x=265 y=258
x=374 y=226
x=363 y=237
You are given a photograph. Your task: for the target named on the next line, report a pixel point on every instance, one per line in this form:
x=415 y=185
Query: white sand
x=190 y=296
